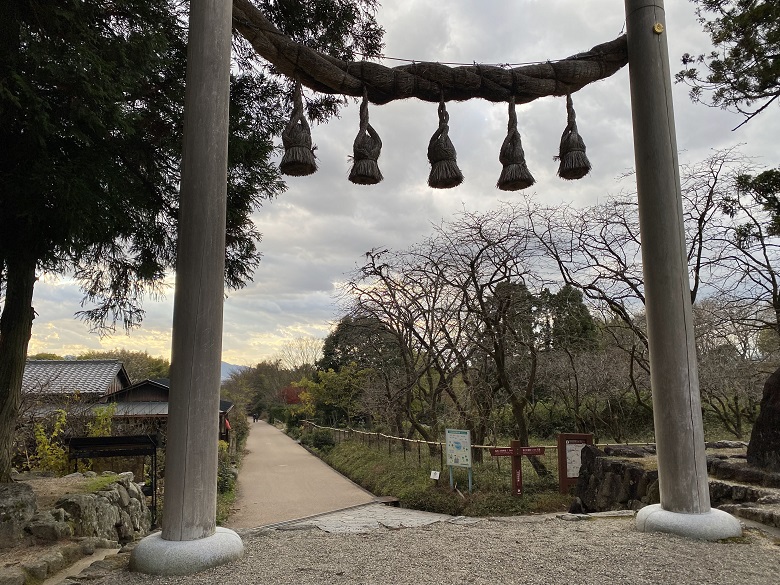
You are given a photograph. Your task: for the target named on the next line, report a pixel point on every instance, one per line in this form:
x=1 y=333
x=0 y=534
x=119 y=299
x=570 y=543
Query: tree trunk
x=15 y=328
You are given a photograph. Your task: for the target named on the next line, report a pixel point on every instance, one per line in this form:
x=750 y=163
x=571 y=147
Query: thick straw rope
x=514 y=174
x=425 y=81
x=298 y=160
x=445 y=173
x=574 y=163
x=365 y=151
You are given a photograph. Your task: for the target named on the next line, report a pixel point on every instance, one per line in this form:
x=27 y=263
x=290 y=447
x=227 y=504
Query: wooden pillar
x=193 y=415
x=682 y=467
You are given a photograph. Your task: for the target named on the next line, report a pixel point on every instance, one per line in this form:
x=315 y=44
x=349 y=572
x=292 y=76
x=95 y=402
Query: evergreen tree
x=139 y=365
x=743 y=70
x=91 y=111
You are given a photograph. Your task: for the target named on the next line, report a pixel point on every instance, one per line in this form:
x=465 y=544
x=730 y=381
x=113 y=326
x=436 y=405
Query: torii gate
x=190 y=541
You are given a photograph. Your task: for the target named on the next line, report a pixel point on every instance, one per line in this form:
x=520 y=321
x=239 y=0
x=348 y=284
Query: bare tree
x=300 y=354
x=597 y=250
x=731 y=366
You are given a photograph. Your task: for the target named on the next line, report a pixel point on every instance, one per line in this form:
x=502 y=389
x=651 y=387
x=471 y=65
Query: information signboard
x=573 y=457
x=458 y=447
x=570 y=458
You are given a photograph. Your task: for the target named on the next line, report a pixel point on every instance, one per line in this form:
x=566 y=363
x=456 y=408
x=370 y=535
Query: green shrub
x=277 y=412
x=103 y=416
x=226 y=479
x=320 y=439
x=50 y=453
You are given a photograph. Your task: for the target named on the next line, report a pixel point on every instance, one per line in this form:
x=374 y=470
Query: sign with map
x=570 y=458
x=458 y=447
x=574 y=457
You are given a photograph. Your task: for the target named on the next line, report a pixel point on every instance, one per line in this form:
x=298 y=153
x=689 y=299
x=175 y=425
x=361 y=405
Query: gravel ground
x=528 y=550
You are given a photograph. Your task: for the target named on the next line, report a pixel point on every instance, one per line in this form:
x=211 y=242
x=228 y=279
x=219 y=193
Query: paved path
x=280 y=481
x=365 y=518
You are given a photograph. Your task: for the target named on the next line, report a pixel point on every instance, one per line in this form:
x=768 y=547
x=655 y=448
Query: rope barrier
x=426 y=81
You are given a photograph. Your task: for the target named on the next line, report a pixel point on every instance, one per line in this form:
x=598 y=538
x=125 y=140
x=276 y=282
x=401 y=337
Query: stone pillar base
x=156 y=556
x=714 y=525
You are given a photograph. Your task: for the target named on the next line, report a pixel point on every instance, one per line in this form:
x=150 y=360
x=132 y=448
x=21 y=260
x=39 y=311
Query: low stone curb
x=53 y=561
x=763 y=513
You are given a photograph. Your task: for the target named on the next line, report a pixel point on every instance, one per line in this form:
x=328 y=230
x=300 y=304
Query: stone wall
x=614 y=480
x=620 y=478
x=118 y=512
x=79 y=524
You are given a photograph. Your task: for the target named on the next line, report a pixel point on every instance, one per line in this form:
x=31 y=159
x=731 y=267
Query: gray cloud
x=317 y=232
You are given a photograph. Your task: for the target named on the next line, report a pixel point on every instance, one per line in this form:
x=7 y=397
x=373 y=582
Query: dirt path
x=279 y=480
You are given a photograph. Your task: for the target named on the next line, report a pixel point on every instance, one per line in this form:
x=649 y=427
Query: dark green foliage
x=226 y=478
x=345 y=29
x=743 y=70
x=293 y=431
x=139 y=364
x=91 y=120
x=320 y=439
x=258 y=387
x=277 y=413
x=568 y=323
x=764 y=188
x=361 y=340
x=93 y=105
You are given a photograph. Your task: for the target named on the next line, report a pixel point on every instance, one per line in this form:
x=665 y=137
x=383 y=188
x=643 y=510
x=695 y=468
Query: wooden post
x=517 y=468
x=193 y=415
x=682 y=466
x=676 y=404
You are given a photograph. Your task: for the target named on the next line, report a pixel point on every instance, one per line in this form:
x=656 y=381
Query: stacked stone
x=119 y=512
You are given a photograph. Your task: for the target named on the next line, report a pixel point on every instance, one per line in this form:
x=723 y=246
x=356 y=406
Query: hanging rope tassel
x=445 y=173
x=515 y=174
x=574 y=161
x=366 y=149
x=298 y=159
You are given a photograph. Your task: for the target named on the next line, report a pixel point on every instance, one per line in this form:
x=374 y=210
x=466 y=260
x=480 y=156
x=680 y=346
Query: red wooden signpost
x=516 y=452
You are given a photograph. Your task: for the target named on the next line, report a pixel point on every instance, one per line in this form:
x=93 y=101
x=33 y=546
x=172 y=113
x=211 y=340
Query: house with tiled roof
x=79 y=386
x=86 y=379
x=148 y=401
x=60 y=381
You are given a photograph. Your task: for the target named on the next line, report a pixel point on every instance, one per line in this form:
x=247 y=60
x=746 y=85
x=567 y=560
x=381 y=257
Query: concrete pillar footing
x=156 y=556
x=712 y=525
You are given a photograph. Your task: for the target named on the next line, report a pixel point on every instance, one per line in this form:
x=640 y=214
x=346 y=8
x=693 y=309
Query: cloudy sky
x=317 y=232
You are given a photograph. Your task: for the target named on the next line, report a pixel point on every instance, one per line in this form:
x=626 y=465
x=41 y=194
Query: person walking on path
x=279 y=480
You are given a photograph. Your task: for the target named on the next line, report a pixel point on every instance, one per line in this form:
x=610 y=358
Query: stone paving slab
x=368 y=518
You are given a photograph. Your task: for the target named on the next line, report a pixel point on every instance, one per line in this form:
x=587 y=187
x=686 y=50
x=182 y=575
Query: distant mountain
x=228 y=369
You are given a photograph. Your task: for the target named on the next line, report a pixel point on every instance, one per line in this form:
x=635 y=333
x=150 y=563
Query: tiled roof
x=69 y=376
x=141 y=409
x=156 y=408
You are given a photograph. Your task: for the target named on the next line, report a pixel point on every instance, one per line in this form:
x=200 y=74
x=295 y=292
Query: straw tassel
x=574 y=163
x=366 y=149
x=445 y=173
x=515 y=174
x=298 y=159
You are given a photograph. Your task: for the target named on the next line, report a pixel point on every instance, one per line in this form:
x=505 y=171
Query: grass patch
x=99 y=483
x=224 y=505
x=408 y=479
x=648 y=463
